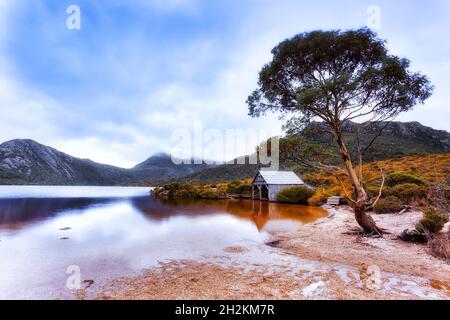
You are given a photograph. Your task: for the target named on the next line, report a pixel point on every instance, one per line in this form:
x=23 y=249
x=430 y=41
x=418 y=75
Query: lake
x=105 y=232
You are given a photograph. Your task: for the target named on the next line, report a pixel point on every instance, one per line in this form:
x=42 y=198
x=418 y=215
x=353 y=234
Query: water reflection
x=18 y=212
x=23 y=210
x=112 y=236
x=260 y=213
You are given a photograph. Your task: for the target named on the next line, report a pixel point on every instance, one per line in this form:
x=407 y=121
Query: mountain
x=398 y=139
x=28 y=162
x=162 y=166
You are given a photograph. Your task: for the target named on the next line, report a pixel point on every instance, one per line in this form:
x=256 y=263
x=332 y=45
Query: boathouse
x=267 y=184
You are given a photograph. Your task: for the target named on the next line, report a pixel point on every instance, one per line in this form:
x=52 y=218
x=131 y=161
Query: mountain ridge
x=398 y=139
x=27 y=162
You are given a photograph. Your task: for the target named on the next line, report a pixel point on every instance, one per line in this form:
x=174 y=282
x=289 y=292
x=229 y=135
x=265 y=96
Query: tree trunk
x=362 y=218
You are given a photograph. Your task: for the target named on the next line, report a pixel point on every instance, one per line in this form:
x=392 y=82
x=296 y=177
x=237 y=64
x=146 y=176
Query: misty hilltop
x=29 y=162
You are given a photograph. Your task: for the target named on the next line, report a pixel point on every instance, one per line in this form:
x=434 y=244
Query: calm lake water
x=108 y=232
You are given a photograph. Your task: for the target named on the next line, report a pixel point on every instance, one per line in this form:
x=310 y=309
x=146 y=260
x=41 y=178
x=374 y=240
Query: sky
x=120 y=88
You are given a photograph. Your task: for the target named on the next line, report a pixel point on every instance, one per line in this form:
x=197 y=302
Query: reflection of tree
x=29 y=209
x=259 y=212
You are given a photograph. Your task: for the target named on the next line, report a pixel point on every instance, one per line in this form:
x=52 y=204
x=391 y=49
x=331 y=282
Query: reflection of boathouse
x=267 y=184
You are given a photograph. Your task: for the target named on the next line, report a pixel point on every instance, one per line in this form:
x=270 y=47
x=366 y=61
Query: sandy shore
x=318 y=261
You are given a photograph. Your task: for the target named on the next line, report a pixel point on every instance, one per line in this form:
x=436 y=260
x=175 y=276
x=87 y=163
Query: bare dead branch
x=383 y=180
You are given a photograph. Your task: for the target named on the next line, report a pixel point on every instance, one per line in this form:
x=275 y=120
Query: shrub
x=440 y=246
x=322 y=194
x=244 y=189
x=186 y=193
x=396 y=178
x=237 y=187
x=295 y=195
x=172 y=186
x=373 y=191
x=432 y=222
x=446 y=192
x=209 y=194
x=409 y=191
x=232 y=188
x=389 y=204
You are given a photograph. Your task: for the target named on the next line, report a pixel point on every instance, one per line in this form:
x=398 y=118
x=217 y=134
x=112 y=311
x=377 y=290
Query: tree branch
x=383 y=179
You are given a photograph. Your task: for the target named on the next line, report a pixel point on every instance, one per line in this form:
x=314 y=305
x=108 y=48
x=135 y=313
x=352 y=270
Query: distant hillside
x=398 y=139
x=161 y=166
x=28 y=162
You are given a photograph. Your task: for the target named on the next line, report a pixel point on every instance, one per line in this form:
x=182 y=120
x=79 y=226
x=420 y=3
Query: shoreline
x=319 y=260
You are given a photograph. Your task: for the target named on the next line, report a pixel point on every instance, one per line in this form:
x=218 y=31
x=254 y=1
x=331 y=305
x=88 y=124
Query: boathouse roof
x=280 y=177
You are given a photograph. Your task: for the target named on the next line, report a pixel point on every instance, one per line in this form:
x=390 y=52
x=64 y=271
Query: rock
x=274 y=244
x=317 y=290
x=446 y=228
x=413 y=236
x=88 y=283
x=371 y=277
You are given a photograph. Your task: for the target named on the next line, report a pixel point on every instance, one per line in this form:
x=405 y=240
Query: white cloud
x=24 y=113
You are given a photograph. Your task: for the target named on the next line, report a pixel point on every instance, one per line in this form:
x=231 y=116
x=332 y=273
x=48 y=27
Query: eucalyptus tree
x=336 y=77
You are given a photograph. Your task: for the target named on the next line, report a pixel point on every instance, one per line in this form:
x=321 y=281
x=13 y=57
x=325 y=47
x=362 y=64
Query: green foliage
x=396 y=178
x=319 y=180
x=295 y=195
x=238 y=188
x=364 y=73
x=203 y=191
x=372 y=191
x=433 y=221
x=408 y=191
x=209 y=194
x=188 y=191
x=171 y=186
x=334 y=75
x=389 y=204
x=244 y=189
